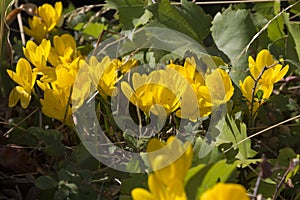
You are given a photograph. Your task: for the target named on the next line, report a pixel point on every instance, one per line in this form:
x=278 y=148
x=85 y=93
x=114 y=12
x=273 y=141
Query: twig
x=293 y=164
x=256 y=186
x=20 y=122
x=256 y=81
x=19 y=17
x=253 y=94
x=101 y=37
x=84 y=9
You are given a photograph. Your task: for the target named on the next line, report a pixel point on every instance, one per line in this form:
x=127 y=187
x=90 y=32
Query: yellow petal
x=155 y=144
x=59 y=45
x=14 y=97
x=128 y=92
x=281 y=74
x=141 y=194
x=156 y=187
x=264 y=59
x=223 y=191
x=58 y=9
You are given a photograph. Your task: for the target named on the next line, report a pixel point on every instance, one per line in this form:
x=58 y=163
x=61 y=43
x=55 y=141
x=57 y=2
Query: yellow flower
x=50 y=16
x=159 y=191
x=26 y=79
x=160 y=89
x=45 y=20
x=212 y=90
x=265 y=72
x=56 y=105
x=191 y=95
x=189 y=71
x=38 y=55
x=225 y=191
x=170 y=162
x=64 y=50
x=103 y=75
x=65 y=76
x=273 y=74
x=125 y=65
x=37 y=29
x=81 y=89
x=218 y=89
x=247 y=89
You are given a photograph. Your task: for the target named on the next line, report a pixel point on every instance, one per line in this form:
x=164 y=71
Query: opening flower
x=225 y=191
x=272 y=74
x=218 y=89
x=37 y=29
x=265 y=72
x=56 y=105
x=159 y=191
x=211 y=90
x=160 y=87
x=103 y=75
x=170 y=162
x=255 y=96
x=47 y=17
x=26 y=79
x=38 y=55
x=63 y=50
x=50 y=15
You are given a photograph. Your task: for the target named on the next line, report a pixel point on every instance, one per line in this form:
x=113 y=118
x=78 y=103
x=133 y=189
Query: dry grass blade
x=265 y=28
x=262 y=131
x=228 y=2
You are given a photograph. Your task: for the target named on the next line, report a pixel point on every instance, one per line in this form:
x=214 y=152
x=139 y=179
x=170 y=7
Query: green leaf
x=235 y=131
x=206 y=176
x=78 y=26
x=295 y=9
x=294 y=170
x=194 y=178
x=135 y=181
x=144 y=19
x=228 y=132
x=268 y=9
x=20 y=137
x=94 y=29
x=285 y=156
x=276 y=31
x=83 y=159
x=50 y=138
x=168 y=15
x=247 y=162
x=213 y=156
x=293 y=36
x=232 y=30
x=129 y=10
x=199 y=21
x=280 y=101
x=45 y=182
x=219 y=172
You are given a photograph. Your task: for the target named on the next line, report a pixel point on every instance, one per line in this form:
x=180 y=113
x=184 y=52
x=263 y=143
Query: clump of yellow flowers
x=46 y=18
x=258 y=86
x=170 y=163
x=181 y=89
x=53 y=69
x=56 y=67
